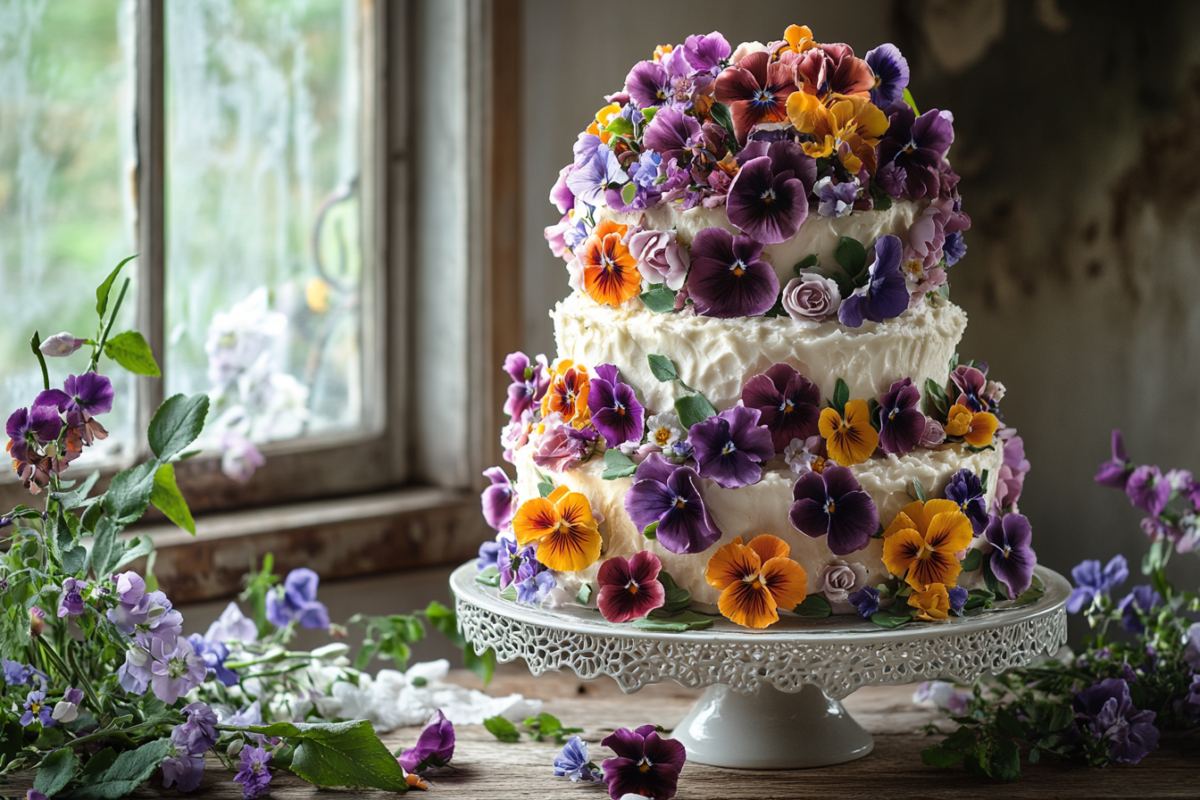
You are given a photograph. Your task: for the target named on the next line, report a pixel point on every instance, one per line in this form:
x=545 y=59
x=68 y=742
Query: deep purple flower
x=1092 y=581
x=214 y=655
x=629 y=587
x=866 y=601
x=199 y=733
x=1142 y=599
x=1012 y=559
x=499 y=500
x=768 y=199
x=591 y=178
x=890 y=69
x=649 y=85
x=835 y=199
x=966 y=489
x=1148 y=490
x=958 y=599
x=731 y=447
x=667 y=493
x=728 y=277
x=573 y=762
x=71 y=599
x=253 y=773
x=954 y=248
x=645 y=764
x=1116 y=472
x=671 y=132
x=616 y=412
x=29 y=431
x=296 y=601
x=1189 y=705
x=831 y=503
x=182 y=771
x=37 y=708
x=530 y=380
x=434 y=747
x=1106 y=711
x=82 y=398
x=34 y=794
x=787 y=401
x=704 y=53
x=912 y=150
x=901 y=421
x=175 y=671
x=886 y=294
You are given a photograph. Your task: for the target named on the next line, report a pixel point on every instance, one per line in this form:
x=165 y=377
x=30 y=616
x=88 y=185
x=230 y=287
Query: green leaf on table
x=176 y=424
x=617 y=465
x=131 y=351
x=693 y=408
x=502 y=729
x=489 y=577
x=973 y=560
x=128 y=771
x=814 y=606
x=841 y=396
x=890 y=619
x=939 y=756
x=658 y=298
x=345 y=754
x=1006 y=761
x=675 y=597
x=100 y=762
x=128 y=495
x=103 y=290
x=662 y=368
x=55 y=771
x=167 y=498
x=75 y=497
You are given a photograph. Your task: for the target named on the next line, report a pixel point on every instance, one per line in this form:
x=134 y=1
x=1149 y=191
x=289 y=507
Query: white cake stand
x=772 y=698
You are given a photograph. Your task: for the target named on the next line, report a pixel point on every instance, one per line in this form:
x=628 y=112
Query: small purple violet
x=668 y=494
x=901 y=423
x=615 y=409
x=573 y=762
x=885 y=295
x=254 y=774
x=434 y=747
x=1012 y=559
x=1106 y=711
x=966 y=489
x=296 y=601
x=499 y=500
x=731 y=447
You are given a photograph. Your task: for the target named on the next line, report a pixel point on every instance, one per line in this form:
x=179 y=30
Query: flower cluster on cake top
x=772 y=134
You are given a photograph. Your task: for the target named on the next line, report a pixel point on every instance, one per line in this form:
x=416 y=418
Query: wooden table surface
x=487 y=769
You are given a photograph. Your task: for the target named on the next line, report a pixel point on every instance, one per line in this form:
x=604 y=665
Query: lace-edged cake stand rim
x=754 y=707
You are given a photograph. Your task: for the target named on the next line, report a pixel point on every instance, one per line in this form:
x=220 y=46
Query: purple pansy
x=1011 y=477
x=511 y=558
x=176 y=670
x=18 y=674
x=616 y=412
x=71 y=599
x=768 y=198
x=434 y=747
x=530 y=380
x=1012 y=559
x=901 y=423
x=499 y=500
x=729 y=277
x=29 y=430
x=671 y=132
x=296 y=601
x=831 y=503
x=890 y=69
x=1092 y=581
x=886 y=294
x=649 y=84
x=489 y=555
x=1106 y=711
x=788 y=403
x=534 y=583
x=1148 y=490
x=81 y=399
x=971 y=384
x=966 y=489
x=254 y=773
x=912 y=151
x=731 y=447
x=865 y=601
x=573 y=762
x=958 y=598
x=214 y=654
x=37 y=708
x=645 y=764
x=705 y=53
x=667 y=493
x=835 y=199
x=954 y=248
x=1142 y=599
x=591 y=178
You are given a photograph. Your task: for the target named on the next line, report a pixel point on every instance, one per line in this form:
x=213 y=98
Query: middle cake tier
x=716 y=357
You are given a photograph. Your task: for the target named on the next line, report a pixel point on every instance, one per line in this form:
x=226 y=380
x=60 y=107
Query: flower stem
x=36 y=344
x=107 y=330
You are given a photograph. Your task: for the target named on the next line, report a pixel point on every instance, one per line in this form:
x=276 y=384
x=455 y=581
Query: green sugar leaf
x=660 y=300
x=628 y=193
x=617 y=465
x=814 y=606
x=676 y=597
x=620 y=126
x=662 y=368
x=694 y=408
x=808 y=262
x=584 y=594
x=890 y=619
x=851 y=256
x=722 y=116
x=841 y=396
x=651 y=531
x=972 y=561
x=489 y=577
x=908 y=98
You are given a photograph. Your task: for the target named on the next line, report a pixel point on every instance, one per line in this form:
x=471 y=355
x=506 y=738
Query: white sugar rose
x=660 y=258
x=811 y=298
x=839 y=579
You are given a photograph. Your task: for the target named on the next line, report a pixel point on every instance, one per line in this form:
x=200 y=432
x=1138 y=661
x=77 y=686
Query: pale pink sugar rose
x=660 y=257
x=811 y=298
x=839 y=579
x=744 y=49
x=933 y=435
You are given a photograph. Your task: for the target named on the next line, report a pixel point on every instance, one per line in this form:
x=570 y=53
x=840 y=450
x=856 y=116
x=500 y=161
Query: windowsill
x=340 y=538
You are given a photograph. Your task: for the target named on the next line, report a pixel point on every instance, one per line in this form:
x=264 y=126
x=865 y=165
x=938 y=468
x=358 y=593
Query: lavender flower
x=966 y=489
x=1116 y=472
x=668 y=494
x=890 y=69
x=67 y=709
x=1141 y=600
x=615 y=409
x=175 y=672
x=434 y=747
x=534 y=583
x=254 y=775
x=573 y=762
x=732 y=447
x=214 y=654
x=835 y=199
x=954 y=248
x=489 y=555
x=61 y=345
x=958 y=598
x=296 y=601
x=18 y=674
x=1192 y=653
x=183 y=771
x=232 y=626
x=36 y=708
x=886 y=294
x=943 y=694
x=591 y=178
x=672 y=132
x=912 y=150
x=199 y=733
x=530 y=380
x=71 y=599
x=1106 y=711
x=649 y=85
x=511 y=558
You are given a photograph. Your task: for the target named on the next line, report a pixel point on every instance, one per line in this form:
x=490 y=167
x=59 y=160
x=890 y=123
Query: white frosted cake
x=757 y=406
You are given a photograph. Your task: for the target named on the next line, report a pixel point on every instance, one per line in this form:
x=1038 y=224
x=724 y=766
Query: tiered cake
x=757 y=405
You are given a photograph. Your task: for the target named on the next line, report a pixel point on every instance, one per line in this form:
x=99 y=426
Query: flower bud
x=235 y=748
x=333 y=650
x=61 y=345
x=37 y=621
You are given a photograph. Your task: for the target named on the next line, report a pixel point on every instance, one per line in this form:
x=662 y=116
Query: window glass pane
x=66 y=170
x=264 y=254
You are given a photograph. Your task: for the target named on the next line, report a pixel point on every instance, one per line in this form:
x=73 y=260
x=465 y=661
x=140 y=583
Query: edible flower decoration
x=831 y=503
x=603 y=117
x=667 y=494
x=849 y=437
x=912 y=151
x=499 y=500
x=568 y=394
x=885 y=294
x=1012 y=559
x=847 y=129
x=972 y=386
x=530 y=380
x=788 y=403
x=563 y=527
x=615 y=409
x=890 y=70
x=831 y=71
x=921 y=543
x=731 y=447
x=756 y=91
x=646 y=765
x=610 y=272
x=768 y=198
x=901 y=423
x=932 y=603
x=966 y=490
x=975 y=428
x=1116 y=471
x=756 y=579
x=629 y=588
x=729 y=277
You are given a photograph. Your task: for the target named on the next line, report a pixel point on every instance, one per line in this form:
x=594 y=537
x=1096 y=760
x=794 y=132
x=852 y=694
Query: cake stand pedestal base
x=771 y=729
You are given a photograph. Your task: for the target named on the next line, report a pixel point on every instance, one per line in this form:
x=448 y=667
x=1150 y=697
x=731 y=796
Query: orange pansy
x=976 y=428
x=847 y=125
x=799 y=38
x=932 y=603
x=921 y=542
x=610 y=272
x=850 y=440
x=563 y=527
x=756 y=579
x=568 y=394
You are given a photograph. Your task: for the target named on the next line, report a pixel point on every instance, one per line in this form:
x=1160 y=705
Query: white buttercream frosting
x=717 y=356
x=753 y=510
